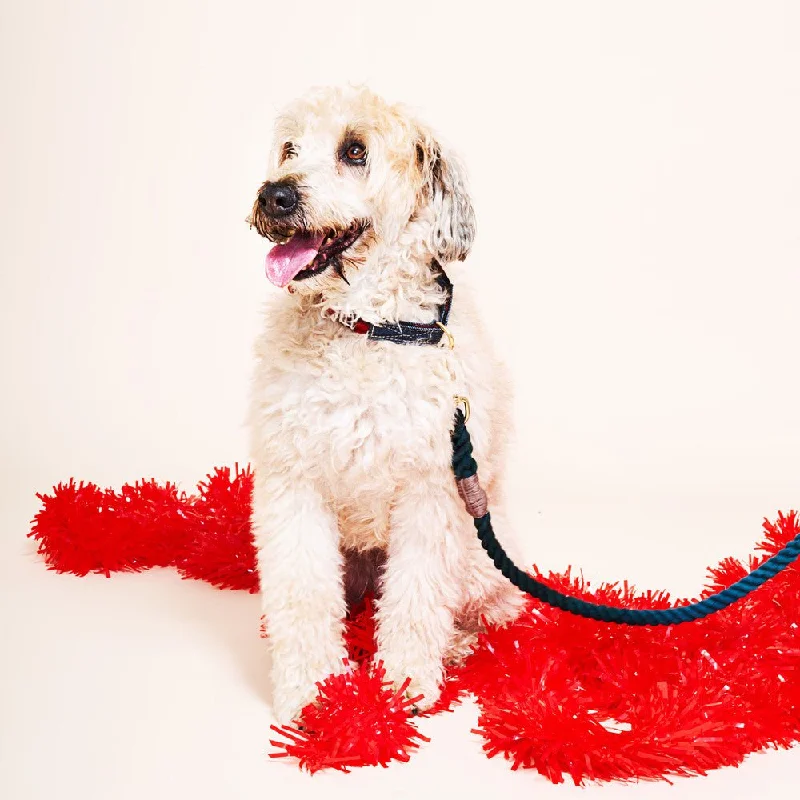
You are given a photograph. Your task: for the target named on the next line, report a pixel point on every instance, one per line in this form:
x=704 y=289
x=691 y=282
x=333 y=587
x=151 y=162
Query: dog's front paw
x=293 y=690
x=288 y=703
x=424 y=686
x=424 y=695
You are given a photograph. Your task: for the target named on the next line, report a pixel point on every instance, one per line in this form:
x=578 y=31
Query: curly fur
x=350 y=436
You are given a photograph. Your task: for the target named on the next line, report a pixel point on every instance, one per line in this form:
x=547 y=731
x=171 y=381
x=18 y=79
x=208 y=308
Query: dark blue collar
x=410 y=332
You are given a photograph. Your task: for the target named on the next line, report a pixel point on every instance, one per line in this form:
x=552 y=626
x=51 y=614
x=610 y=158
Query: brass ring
x=450 y=338
x=463 y=401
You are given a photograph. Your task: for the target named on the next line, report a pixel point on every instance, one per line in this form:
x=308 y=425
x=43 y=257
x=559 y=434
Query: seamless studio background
x=636 y=176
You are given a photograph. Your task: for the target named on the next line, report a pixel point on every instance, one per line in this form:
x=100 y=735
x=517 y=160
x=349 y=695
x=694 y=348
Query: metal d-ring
x=451 y=341
x=463 y=401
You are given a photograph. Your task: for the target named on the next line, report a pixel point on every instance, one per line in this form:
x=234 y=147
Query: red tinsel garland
x=358 y=720
x=219 y=546
x=565 y=696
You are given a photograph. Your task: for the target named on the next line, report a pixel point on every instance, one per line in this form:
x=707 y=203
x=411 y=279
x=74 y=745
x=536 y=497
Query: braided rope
x=464 y=466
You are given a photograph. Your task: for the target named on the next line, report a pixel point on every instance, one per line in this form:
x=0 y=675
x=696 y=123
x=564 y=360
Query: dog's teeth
x=286 y=238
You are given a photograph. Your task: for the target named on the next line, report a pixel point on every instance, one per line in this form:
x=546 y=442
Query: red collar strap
x=407 y=332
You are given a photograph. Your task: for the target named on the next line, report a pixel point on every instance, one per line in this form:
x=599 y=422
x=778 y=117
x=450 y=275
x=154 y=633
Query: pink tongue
x=284 y=261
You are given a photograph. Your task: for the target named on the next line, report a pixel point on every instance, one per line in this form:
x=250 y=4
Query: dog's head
x=350 y=174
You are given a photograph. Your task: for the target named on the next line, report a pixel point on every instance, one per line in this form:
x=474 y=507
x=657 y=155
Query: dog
x=370 y=216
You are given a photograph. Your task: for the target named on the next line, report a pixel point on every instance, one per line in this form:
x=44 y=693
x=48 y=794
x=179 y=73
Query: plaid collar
x=407 y=332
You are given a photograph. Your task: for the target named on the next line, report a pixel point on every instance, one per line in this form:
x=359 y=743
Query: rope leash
x=465 y=469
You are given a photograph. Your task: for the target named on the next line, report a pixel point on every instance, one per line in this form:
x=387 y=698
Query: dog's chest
x=359 y=417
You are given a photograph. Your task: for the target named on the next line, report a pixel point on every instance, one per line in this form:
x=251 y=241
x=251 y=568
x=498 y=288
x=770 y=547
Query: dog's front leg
x=300 y=570
x=420 y=586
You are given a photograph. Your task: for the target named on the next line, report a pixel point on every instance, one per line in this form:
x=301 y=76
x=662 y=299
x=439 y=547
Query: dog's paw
x=424 y=686
x=424 y=695
x=288 y=705
x=293 y=690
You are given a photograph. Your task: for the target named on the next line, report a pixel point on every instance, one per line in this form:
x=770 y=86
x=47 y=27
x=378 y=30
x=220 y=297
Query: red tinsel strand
x=219 y=548
x=82 y=528
x=359 y=632
x=357 y=720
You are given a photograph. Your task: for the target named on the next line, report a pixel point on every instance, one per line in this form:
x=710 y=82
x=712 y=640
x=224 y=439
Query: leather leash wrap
x=471 y=492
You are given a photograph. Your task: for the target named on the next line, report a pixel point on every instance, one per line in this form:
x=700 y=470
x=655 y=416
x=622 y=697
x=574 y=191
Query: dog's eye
x=288 y=151
x=354 y=153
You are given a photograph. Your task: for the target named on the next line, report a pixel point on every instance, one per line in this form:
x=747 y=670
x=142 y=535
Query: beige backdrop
x=636 y=172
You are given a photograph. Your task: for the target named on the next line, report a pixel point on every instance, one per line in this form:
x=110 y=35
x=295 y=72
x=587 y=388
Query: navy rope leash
x=464 y=467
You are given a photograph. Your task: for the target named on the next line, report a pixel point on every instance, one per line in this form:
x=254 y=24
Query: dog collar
x=406 y=332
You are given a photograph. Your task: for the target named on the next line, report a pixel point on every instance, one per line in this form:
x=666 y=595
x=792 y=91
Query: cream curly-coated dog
x=354 y=489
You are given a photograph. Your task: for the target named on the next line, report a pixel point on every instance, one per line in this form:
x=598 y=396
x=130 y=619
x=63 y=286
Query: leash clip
x=463 y=401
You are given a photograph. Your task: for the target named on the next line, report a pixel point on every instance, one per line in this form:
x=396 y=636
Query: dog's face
x=348 y=174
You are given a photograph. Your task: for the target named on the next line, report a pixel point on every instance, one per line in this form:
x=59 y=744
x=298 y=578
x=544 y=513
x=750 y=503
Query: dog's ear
x=445 y=189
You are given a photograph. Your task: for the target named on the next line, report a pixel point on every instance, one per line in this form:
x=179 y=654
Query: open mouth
x=303 y=254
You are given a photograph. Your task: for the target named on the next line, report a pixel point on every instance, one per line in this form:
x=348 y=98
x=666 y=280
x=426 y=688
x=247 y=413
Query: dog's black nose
x=278 y=199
